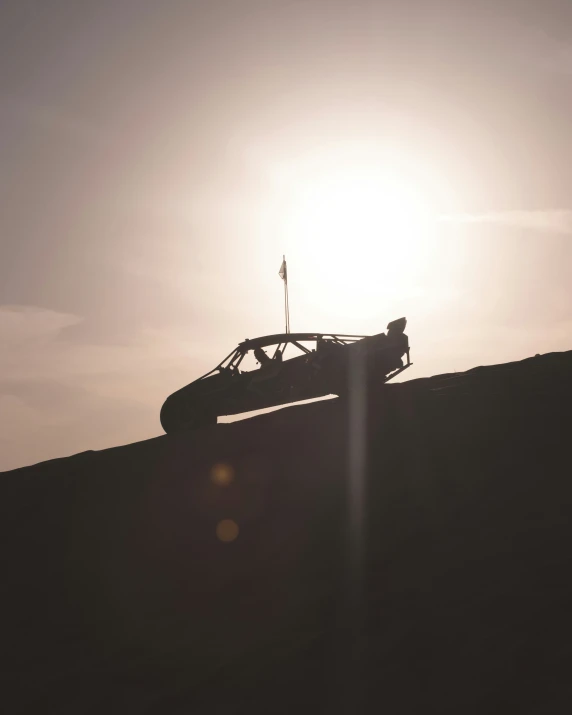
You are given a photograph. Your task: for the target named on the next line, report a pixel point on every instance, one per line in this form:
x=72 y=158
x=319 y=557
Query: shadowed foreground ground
x=449 y=592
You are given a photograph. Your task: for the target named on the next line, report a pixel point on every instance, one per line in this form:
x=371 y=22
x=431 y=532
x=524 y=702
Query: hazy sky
x=157 y=158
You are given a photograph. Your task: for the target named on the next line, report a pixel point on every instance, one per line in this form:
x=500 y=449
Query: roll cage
x=232 y=361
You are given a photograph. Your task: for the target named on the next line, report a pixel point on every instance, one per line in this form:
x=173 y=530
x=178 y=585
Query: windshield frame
x=232 y=361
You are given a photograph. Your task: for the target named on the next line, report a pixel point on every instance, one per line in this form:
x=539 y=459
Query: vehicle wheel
x=196 y=418
x=187 y=417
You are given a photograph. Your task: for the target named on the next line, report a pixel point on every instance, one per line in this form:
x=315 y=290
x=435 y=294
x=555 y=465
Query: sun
x=361 y=207
x=358 y=230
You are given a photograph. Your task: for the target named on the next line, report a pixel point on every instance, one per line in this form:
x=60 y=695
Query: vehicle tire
x=197 y=418
x=187 y=417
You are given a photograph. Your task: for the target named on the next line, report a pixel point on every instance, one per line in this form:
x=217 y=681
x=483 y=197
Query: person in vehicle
x=399 y=342
x=262 y=357
x=269 y=368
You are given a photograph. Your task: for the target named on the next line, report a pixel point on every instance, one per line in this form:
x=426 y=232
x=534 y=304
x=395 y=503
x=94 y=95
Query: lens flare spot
x=222 y=474
x=227 y=530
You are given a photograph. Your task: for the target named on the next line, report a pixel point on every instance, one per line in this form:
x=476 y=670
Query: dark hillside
x=420 y=565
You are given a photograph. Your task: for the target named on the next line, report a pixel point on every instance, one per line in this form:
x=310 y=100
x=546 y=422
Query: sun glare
x=360 y=231
x=362 y=206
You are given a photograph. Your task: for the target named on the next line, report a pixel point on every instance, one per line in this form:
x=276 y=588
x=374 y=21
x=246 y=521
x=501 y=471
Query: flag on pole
x=283 y=273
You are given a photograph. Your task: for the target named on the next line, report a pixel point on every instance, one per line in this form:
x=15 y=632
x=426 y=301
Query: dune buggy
x=321 y=367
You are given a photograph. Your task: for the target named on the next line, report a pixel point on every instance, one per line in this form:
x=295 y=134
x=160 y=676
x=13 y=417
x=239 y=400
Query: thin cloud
x=550 y=54
x=24 y=329
x=55 y=120
x=552 y=221
x=60 y=395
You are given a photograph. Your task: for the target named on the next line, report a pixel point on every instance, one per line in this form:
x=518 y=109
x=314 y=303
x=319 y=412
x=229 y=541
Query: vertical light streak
x=355 y=553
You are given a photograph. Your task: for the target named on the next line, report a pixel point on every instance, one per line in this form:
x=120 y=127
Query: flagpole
x=283 y=273
x=287 y=309
x=286 y=302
